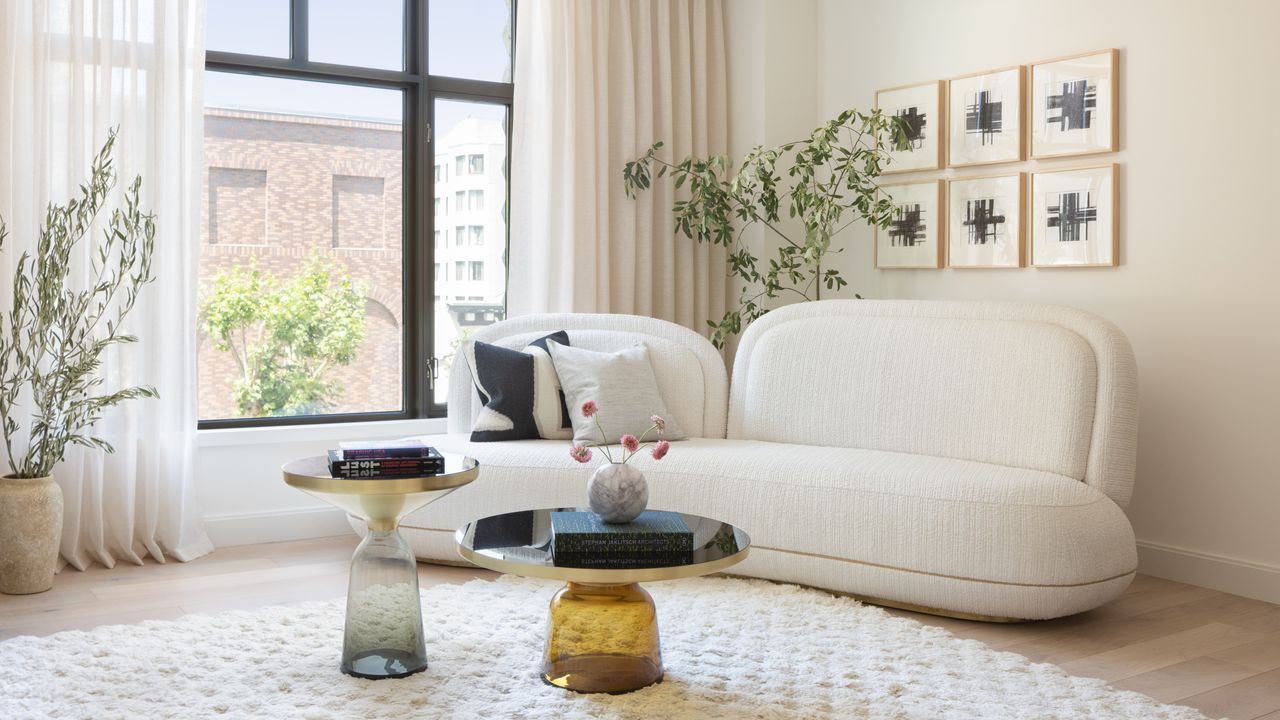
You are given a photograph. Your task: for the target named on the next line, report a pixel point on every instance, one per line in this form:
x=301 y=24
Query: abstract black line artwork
x=982 y=116
x=908 y=226
x=982 y=222
x=1071 y=214
x=1073 y=107
x=914 y=123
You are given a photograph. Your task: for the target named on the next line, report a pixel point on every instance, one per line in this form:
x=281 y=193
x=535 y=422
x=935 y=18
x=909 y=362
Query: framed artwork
x=915 y=234
x=1074 y=105
x=1075 y=217
x=986 y=117
x=984 y=222
x=920 y=108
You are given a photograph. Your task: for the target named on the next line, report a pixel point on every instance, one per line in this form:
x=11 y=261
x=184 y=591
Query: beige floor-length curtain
x=597 y=82
x=69 y=71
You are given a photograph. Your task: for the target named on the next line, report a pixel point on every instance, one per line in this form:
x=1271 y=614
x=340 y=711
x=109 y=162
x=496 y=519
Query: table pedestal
x=602 y=638
x=383 y=636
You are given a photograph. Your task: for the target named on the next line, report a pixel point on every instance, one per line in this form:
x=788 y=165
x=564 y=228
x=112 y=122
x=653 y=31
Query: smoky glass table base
x=602 y=626
x=383 y=636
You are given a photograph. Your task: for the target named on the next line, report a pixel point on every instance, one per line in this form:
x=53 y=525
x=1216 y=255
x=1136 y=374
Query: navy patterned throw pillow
x=520 y=391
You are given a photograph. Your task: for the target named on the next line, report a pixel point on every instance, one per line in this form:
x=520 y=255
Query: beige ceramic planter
x=30 y=532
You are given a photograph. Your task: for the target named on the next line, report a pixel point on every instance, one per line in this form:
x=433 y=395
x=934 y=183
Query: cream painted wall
x=1198 y=290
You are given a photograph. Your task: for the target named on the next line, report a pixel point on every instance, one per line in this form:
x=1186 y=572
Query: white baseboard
x=1233 y=575
x=276 y=526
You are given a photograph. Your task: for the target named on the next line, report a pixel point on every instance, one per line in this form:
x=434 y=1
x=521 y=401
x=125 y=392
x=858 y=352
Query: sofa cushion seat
x=1024 y=543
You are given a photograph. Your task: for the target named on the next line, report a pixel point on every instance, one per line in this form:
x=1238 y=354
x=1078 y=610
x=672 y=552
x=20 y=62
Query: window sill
x=320 y=432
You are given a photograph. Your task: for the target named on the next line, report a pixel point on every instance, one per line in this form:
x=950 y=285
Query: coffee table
x=383 y=635
x=602 y=630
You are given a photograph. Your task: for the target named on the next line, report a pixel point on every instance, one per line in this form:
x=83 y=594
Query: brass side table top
x=380 y=502
x=602 y=629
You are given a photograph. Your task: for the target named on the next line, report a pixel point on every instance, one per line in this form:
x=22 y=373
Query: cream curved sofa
x=971 y=459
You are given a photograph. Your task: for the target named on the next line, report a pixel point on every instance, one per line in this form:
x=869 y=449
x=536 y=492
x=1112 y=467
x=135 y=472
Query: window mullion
x=299 y=51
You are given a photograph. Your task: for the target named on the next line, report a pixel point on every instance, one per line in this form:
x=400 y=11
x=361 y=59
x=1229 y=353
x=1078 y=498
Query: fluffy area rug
x=732 y=649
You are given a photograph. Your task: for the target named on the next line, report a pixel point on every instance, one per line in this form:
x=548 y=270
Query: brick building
x=279 y=188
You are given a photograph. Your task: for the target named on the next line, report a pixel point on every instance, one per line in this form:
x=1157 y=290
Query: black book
x=378 y=449
x=654 y=531
x=621 y=561
x=341 y=467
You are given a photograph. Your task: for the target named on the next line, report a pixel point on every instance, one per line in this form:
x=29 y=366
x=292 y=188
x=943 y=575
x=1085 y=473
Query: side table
x=602 y=627
x=383 y=636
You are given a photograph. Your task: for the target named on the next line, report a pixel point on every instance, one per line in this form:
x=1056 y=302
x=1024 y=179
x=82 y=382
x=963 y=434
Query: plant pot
x=30 y=533
x=618 y=493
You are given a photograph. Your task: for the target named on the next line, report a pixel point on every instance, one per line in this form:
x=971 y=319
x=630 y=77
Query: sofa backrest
x=1031 y=386
x=691 y=373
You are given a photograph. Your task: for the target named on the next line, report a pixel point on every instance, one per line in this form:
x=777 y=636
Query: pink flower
x=580 y=452
x=660 y=449
x=658 y=422
x=630 y=443
x=589 y=408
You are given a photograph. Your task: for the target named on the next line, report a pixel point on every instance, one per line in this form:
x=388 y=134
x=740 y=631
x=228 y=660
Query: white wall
x=243 y=495
x=1197 y=290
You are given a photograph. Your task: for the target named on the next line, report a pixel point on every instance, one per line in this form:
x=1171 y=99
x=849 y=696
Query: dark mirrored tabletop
x=520 y=543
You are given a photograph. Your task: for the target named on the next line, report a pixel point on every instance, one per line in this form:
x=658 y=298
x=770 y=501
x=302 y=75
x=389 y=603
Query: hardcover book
x=342 y=467
x=655 y=531
x=621 y=561
x=374 y=449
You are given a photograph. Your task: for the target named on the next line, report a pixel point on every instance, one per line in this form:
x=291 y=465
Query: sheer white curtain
x=597 y=82
x=69 y=71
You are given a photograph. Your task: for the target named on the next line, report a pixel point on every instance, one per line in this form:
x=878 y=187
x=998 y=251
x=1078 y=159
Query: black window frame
x=420 y=91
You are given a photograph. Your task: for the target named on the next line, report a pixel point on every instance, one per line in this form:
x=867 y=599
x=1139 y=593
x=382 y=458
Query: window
x=227 y=19
x=477 y=234
x=477 y=270
x=477 y=164
x=465 y=127
x=347 y=215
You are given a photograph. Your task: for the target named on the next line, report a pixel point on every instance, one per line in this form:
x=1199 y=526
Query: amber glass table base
x=602 y=639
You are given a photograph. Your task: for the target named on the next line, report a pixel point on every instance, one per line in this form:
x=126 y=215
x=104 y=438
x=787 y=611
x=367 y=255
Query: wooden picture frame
x=1075 y=105
x=986 y=115
x=916 y=238
x=982 y=235
x=1057 y=223
x=922 y=105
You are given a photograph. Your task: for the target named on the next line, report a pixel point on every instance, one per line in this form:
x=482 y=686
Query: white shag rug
x=732 y=648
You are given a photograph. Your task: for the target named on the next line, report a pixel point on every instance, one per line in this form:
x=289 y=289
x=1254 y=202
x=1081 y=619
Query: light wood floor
x=1178 y=643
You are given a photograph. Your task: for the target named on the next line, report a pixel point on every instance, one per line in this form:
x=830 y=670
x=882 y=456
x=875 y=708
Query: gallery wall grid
x=1010 y=154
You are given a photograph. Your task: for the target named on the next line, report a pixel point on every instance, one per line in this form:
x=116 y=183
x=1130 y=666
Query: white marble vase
x=618 y=493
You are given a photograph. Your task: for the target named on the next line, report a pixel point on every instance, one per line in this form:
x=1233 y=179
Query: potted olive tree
x=825 y=182
x=51 y=347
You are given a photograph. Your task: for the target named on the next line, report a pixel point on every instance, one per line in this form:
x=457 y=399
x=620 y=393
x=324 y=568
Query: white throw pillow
x=623 y=386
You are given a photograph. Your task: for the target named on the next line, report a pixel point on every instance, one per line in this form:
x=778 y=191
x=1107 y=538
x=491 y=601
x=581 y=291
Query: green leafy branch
x=51 y=354
x=826 y=181
x=285 y=336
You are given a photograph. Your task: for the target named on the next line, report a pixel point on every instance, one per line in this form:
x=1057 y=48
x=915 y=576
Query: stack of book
x=385 y=459
x=655 y=539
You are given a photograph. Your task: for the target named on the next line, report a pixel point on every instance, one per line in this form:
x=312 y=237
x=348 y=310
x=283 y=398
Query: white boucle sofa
x=971 y=459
